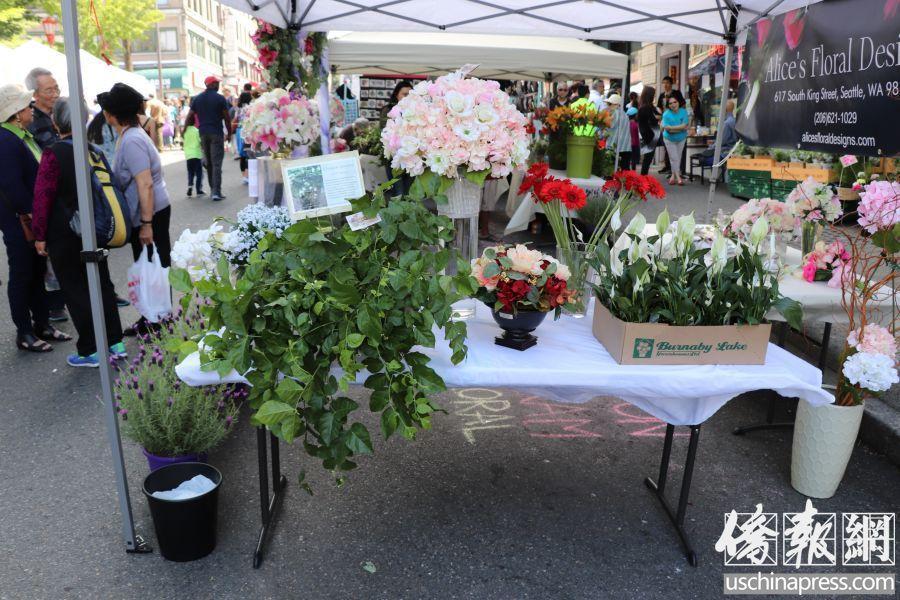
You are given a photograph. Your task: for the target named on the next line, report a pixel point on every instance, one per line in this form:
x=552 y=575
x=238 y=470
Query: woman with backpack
x=55 y=203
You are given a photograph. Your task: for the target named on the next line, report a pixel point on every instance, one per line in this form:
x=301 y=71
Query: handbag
x=24 y=220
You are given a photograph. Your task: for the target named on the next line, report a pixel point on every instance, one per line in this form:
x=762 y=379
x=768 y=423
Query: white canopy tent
x=96 y=75
x=682 y=22
x=498 y=56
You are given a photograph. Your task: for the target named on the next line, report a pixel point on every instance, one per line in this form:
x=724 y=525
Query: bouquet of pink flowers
x=826 y=263
x=781 y=219
x=815 y=202
x=456 y=126
x=879 y=207
x=278 y=122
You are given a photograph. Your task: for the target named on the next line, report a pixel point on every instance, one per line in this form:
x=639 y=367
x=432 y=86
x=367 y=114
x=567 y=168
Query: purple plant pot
x=156 y=462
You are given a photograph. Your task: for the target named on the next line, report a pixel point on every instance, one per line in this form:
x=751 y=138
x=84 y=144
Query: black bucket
x=185 y=529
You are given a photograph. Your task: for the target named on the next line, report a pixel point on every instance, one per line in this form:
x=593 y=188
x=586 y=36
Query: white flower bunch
x=198 y=252
x=871 y=371
x=254 y=221
x=814 y=201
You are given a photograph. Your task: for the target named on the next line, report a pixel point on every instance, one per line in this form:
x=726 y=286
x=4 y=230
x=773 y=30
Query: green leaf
x=354 y=340
x=477 y=177
x=358 y=440
x=329 y=427
x=180 y=280
x=492 y=269
x=791 y=310
x=389 y=422
x=367 y=322
x=272 y=412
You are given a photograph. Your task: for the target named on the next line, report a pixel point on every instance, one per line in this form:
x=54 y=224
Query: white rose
x=458 y=104
x=524 y=260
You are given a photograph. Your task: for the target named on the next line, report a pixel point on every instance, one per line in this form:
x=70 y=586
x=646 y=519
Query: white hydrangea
x=871 y=371
x=198 y=252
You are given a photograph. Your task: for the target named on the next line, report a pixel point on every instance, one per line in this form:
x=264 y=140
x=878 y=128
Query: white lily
x=759 y=231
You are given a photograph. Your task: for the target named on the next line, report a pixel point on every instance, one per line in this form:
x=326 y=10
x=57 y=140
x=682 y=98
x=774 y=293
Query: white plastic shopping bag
x=148 y=287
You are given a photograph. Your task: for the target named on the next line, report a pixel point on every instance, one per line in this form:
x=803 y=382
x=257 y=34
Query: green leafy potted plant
x=171 y=421
x=824 y=436
x=316 y=307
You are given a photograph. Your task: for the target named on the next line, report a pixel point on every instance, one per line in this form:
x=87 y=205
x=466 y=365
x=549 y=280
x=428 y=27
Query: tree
x=122 y=22
x=14 y=19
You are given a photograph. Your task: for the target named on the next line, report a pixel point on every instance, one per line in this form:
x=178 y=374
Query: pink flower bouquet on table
x=812 y=201
x=825 y=263
x=456 y=126
x=781 y=219
x=278 y=122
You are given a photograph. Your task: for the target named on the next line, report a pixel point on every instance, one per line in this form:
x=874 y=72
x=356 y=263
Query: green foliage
x=163 y=415
x=679 y=286
x=122 y=21
x=324 y=296
x=296 y=60
x=15 y=17
x=369 y=142
x=604 y=163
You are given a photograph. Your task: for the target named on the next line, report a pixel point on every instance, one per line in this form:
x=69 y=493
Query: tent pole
x=324 y=98
x=91 y=257
x=730 y=39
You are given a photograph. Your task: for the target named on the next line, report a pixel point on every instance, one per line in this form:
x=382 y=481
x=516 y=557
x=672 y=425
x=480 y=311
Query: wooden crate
x=799 y=172
x=749 y=184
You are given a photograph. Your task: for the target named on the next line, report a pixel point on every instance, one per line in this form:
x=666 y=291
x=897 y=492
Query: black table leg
x=658 y=487
x=268 y=507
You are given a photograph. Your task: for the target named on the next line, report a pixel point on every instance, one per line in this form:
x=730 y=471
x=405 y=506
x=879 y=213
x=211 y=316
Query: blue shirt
x=729 y=136
x=673 y=119
x=210 y=107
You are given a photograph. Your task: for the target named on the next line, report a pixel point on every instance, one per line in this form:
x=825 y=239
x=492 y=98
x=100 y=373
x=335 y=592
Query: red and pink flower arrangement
x=512 y=279
x=826 y=263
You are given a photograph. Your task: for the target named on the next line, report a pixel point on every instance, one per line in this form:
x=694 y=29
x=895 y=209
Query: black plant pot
x=517 y=328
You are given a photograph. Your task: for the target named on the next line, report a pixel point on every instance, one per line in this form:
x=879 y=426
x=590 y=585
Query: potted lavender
x=170 y=420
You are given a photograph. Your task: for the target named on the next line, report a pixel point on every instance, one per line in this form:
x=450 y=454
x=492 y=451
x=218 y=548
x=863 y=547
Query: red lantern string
x=104 y=47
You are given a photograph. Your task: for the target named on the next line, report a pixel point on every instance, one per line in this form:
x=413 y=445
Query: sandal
x=50 y=333
x=30 y=343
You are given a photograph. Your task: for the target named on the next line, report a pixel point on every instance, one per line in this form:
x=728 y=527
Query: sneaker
x=59 y=315
x=118 y=351
x=190 y=191
x=200 y=192
x=76 y=360
x=122 y=302
x=217 y=198
x=245 y=180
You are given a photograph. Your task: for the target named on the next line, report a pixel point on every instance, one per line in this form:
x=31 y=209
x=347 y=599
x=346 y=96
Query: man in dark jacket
x=211 y=109
x=46 y=91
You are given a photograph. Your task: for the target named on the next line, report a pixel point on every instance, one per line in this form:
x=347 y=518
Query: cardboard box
x=655 y=344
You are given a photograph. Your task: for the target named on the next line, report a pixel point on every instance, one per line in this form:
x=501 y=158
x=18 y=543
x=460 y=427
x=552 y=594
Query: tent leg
x=720 y=130
x=90 y=255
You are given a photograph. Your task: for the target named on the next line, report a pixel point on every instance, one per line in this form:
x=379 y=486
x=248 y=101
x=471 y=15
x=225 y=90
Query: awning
x=681 y=22
x=498 y=57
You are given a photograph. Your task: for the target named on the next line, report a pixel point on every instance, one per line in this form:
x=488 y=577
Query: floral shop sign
x=824 y=78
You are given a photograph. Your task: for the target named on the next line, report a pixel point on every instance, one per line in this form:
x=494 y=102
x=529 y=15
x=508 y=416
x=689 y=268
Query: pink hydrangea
x=879 y=205
x=874 y=339
x=780 y=216
x=454 y=124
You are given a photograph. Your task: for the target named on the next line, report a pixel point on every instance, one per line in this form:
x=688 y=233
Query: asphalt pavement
x=509 y=496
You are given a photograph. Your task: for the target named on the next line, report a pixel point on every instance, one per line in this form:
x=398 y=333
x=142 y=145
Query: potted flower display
x=276 y=123
x=816 y=205
x=171 y=421
x=701 y=303
x=782 y=224
x=561 y=199
x=451 y=134
x=582 y=123
x=520 y=286
x=824 y=435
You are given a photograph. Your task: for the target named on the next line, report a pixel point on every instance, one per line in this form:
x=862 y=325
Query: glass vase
x=775 y=253
x=462 y=208
x=810 y=232
x=270 y=184
x=576 y=257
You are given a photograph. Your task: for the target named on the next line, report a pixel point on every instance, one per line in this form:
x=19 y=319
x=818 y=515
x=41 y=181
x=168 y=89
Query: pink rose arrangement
x=278 y=122
x=879 y=206
x=826 y=263
x=815 y=202
x=781 y=219
x=518 y=278
x=453 y=126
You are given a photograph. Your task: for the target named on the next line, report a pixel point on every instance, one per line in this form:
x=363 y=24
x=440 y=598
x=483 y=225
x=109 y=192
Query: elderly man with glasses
x=46 y=92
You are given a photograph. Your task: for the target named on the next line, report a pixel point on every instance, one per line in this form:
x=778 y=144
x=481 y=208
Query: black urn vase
x=517 y=328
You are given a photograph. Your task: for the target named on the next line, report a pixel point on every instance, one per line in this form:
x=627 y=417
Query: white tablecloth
x=569 y=365
x=527 y=207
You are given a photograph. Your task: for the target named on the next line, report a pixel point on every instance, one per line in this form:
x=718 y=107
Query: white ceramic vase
x=463 y=205
x=824 y=437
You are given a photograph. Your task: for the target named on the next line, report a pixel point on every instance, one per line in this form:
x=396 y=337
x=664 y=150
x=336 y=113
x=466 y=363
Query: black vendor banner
x=825 y=78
